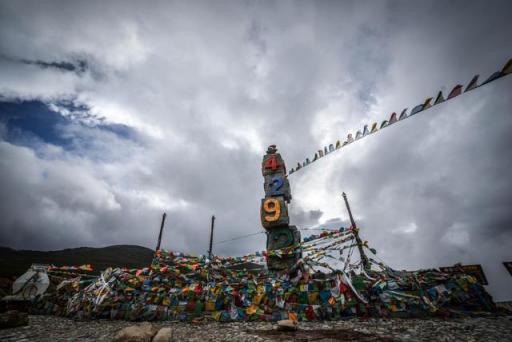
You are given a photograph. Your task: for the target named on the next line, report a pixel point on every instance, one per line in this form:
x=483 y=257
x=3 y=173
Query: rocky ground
x=50 y=328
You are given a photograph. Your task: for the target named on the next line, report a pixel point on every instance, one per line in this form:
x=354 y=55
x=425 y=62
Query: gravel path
x=51 y=328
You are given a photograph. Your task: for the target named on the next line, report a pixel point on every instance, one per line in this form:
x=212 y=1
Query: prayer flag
x=507 y=69
x=439 y=98
x=455 y=91
x=416 y=109
x=472 y=84
x=427 y=103
x=392 y=119
x=374 y=128
x=508 y=264
x=403 y=115
x=493 y=77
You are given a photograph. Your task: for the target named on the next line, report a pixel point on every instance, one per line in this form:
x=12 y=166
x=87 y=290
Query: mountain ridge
x=15 y=262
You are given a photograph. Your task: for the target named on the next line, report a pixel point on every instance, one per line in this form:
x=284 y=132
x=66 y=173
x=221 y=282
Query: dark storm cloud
x=207 y=86
x=78 y=66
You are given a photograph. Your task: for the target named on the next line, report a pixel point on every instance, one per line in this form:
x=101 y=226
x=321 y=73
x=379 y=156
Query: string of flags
x=311 y=246
x=394 y=117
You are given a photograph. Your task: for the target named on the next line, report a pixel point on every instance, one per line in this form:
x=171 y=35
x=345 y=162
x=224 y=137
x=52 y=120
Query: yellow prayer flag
x=427 y=103
x=251 y=309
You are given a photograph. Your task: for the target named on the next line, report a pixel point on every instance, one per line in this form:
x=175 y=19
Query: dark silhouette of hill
x=16 y=262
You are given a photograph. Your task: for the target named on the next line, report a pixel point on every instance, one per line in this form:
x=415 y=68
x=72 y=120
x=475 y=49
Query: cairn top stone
x=272 y=149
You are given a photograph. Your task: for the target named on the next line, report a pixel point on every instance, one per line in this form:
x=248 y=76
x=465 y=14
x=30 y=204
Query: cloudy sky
x=113 y=112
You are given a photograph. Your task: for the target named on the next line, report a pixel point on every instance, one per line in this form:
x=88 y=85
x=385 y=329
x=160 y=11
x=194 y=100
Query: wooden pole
x=364 y=258
x=211 y=239
x=161 y=230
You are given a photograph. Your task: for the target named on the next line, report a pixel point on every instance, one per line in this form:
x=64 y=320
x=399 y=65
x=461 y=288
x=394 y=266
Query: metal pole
x=161 y=230
x=364 y=258
x=211 y=239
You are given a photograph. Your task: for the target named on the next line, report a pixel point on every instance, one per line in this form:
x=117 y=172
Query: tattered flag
x=374 y=128
x=383 y=124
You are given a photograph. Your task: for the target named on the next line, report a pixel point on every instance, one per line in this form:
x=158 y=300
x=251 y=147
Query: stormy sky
x=113 y=112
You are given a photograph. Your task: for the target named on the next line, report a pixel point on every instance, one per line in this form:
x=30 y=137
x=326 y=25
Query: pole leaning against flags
x=364 y=258
x=161 y=231
x=211 y=238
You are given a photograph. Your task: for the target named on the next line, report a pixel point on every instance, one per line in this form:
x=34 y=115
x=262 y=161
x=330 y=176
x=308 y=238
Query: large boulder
x=163 y=335
x=143 y=332
x=12 y=319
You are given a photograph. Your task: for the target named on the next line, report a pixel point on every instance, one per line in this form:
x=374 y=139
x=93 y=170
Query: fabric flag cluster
x=188 y=288
x=394 y=117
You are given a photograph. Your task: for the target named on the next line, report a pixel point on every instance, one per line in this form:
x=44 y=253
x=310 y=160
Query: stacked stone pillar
x=274 y=214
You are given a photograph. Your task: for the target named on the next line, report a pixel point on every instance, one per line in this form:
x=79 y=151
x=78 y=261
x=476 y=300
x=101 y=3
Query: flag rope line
x=456 y=91
x=262 y=232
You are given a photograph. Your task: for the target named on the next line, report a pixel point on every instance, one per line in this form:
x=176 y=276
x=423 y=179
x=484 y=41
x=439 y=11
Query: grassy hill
x=16 y=262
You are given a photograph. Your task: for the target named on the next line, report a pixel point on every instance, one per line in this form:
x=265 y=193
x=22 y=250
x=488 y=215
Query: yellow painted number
x=273 y=207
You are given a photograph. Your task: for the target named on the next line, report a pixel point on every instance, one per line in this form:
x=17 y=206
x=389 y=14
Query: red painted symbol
x=272 y=163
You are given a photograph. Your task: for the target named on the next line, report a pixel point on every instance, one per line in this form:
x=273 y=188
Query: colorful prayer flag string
x=456 y=91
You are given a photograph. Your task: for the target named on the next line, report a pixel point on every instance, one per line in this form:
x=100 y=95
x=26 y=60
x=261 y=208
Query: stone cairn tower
x=274 y=214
